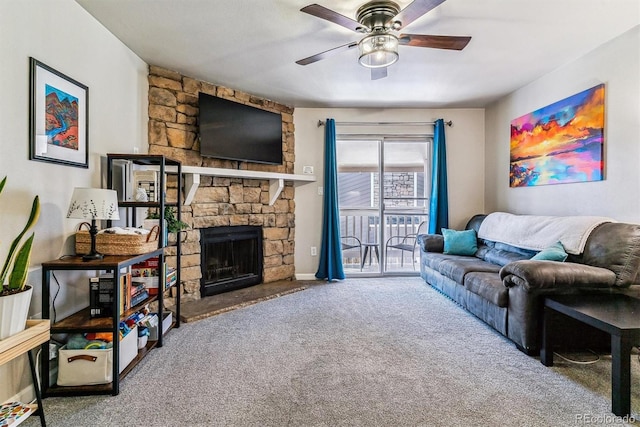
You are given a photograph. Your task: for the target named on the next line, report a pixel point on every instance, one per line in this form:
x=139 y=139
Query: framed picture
x=560 y=143
x=58 y=117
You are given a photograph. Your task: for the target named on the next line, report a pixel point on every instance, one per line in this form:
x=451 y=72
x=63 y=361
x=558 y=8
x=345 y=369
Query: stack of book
x=138 y=293
x=133 y=290
x=146 y=273
x=171 y=277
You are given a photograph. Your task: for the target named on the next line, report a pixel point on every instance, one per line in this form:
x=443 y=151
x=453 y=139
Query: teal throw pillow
x=554 y=252
x=460 y=242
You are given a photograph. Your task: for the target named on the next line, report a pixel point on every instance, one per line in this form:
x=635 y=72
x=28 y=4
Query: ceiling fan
x=379 y=20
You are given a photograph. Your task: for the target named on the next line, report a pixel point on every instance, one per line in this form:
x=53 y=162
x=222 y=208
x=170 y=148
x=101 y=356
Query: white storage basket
x=94 y=366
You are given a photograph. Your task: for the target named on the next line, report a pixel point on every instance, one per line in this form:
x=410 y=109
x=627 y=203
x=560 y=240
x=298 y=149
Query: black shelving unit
x=165 y=167
x=81 y=321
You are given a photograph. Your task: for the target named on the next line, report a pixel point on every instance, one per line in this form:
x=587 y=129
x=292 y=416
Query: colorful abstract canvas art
x=560 y=143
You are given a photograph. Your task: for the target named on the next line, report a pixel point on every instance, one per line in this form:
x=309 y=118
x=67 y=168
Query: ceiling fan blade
x=378 y=73
x=328 y=14
x=414 y=11
x=435 y=42
x=322 y=55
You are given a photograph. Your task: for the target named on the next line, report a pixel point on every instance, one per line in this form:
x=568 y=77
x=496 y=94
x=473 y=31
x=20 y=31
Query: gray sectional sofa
x=501 y=285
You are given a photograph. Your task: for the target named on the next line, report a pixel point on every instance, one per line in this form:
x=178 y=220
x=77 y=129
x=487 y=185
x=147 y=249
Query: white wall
x=617 y=64
x=62 y=35
x=465 y=166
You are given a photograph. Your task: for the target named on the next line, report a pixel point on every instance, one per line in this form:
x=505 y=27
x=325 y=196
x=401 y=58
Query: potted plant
x=172 y=225
x=15 y=295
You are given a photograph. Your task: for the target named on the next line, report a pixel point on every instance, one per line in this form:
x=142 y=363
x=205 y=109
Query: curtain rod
x=449 y=123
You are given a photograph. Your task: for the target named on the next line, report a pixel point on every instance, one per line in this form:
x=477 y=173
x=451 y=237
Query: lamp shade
x=378 y=50
x=93 y=203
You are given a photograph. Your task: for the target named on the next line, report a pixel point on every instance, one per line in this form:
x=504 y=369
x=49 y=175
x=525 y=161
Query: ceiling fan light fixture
x=378 y=50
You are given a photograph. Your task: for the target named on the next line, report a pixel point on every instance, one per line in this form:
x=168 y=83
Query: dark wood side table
x=615 y=314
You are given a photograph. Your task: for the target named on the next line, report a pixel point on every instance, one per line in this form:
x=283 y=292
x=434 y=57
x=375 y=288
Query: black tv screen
x=234 y=131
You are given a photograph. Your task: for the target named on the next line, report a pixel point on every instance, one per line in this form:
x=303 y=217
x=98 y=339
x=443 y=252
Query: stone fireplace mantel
x=276 y=180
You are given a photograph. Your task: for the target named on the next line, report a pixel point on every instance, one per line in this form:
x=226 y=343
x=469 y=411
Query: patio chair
x=406 y=243
x=352 y=242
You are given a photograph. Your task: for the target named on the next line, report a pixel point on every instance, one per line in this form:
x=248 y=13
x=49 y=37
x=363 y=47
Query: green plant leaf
x=18 y=276
x=173 y=225
x=153 y=215
x=33 y=218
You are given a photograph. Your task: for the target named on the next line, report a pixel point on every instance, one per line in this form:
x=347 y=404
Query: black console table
x=615 y=314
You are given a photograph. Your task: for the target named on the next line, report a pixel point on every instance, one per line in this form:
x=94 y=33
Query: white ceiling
x=252 y=45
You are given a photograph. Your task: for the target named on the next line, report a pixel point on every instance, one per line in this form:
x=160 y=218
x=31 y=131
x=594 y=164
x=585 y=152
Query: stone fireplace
x=221 y=201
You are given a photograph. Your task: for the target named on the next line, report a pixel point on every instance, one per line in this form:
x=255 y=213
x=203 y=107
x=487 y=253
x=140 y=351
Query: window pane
x=354 y=189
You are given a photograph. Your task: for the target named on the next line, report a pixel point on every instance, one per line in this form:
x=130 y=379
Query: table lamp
x=93 y=204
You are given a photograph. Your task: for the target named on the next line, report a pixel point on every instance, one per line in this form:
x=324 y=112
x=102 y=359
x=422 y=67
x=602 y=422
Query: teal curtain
x=330 y=266
x=439 y=207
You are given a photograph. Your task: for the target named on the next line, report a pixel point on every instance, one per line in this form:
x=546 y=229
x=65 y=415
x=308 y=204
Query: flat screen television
x=233 y=131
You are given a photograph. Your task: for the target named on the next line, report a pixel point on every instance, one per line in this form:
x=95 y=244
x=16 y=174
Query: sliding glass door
x=359 y=201
x=405 y=205
x=383 y=187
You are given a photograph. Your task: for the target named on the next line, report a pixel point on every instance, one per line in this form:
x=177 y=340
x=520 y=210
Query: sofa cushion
x=460 y=242
x=509 y=248
x=502 y=257
x=475 y=222
x=456 y=269
x=501 y=253
x=431 y=242
x=434 y=259
x=489 y=286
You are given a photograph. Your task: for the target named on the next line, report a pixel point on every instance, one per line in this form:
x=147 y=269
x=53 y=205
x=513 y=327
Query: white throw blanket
x=539 y=232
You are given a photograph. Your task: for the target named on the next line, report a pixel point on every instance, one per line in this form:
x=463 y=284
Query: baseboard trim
x=306 y=276
x=26 y=395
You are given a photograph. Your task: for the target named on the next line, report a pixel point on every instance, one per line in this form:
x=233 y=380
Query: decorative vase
x=14 y=310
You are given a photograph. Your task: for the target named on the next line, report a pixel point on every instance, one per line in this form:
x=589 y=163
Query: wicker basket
x=117 y=244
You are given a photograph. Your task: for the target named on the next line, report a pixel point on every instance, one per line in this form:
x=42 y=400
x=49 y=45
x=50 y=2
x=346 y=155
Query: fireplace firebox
x=231 y=258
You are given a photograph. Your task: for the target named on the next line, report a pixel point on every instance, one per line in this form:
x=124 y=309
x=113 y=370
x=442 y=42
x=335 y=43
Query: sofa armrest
x=550 y=274
x=431 y=242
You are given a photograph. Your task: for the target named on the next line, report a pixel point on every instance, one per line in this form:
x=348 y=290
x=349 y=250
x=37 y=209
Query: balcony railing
x=364 y=225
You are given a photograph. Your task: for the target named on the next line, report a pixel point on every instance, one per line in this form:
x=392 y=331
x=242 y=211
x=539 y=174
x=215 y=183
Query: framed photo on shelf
x=58 y=117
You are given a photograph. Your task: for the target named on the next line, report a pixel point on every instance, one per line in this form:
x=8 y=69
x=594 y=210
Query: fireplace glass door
x=231 y=258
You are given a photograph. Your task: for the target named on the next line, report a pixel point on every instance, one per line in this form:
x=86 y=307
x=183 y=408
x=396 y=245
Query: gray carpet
x=365 y=352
